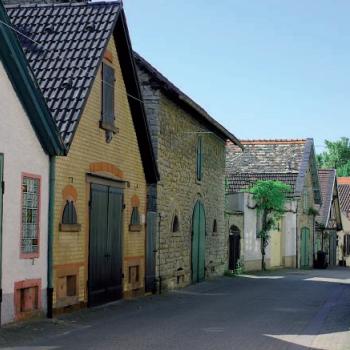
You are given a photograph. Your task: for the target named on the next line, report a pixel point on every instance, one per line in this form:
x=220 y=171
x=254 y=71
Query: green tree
x=270 y=197
x=337 y=156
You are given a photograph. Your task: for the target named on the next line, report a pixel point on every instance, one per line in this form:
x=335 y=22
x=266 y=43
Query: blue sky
x=262 y=68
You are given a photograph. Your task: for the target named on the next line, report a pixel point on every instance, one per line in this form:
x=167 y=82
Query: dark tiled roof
x=27 y=89
x=327 y=182
x=266 y=156
x=168 y=87
x=273 y=157
x=344 y=197
x=242 y=181
x=69 y=40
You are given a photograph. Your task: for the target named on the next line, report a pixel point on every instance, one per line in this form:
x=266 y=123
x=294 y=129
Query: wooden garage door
x=105 y=244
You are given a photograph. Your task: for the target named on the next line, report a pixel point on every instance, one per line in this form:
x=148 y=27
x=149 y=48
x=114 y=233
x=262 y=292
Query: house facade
x=99 y=223
x=328 y=220
x=291 y=162
x=25 y=155
x=344 y=235
x=191 y=237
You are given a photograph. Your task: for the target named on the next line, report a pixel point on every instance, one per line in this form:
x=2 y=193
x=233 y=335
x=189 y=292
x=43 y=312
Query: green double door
x=1 y=202
x=305 y=247
x=105 y=244
x=198 y=243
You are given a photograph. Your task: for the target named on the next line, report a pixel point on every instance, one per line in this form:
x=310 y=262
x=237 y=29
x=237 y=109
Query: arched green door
x=198 y=243
x=304 y=247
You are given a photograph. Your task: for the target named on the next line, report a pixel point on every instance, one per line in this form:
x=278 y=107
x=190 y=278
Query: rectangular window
x=347 y=244
x=30 y=216
x=108 y=82
x=199 y=159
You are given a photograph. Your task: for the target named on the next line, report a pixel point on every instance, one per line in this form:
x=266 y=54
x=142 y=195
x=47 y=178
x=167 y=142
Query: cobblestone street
x=286 y=309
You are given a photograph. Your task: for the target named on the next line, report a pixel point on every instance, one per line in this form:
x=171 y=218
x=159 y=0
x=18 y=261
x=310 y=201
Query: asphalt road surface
x=286 y=309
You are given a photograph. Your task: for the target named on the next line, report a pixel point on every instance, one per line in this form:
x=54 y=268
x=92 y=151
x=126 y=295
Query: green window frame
x=199 y=159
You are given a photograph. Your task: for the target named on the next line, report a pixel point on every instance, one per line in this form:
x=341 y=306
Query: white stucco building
x=27 y=140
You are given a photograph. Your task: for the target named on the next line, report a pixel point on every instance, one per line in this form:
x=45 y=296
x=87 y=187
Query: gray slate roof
x=284 y=160
x=69 y=42
x=327 y=182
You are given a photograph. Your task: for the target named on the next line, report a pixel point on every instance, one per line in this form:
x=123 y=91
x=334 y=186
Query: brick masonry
x=174 y=139
x=121 y=159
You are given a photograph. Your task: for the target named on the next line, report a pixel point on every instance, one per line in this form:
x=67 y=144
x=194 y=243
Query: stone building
x=191 y=236
x=292 y=162
x=85 y=68
x=328 y=220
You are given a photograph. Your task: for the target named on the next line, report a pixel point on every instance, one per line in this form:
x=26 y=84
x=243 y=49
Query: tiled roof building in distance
x=292 y=162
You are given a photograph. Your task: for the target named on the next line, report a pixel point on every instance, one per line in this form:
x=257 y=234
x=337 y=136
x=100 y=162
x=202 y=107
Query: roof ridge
x=62 y=4
x=274 y=141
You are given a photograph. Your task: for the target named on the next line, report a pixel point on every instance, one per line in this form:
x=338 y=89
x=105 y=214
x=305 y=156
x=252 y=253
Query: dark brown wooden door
x=105 y=244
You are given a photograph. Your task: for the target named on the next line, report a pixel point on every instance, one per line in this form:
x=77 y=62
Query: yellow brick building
x=100 y=192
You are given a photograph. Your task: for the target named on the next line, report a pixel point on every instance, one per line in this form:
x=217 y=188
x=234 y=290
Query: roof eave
x=27 y=89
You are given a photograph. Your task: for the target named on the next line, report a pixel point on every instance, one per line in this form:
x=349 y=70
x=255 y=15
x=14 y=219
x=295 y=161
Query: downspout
x=52 y=176
x=2 y=189
x=297 y=237
x=159 y=274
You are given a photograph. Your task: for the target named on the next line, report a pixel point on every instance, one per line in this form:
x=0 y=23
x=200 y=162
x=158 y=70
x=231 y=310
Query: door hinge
x=124 y=206
x=3 y=186
x=89 y=204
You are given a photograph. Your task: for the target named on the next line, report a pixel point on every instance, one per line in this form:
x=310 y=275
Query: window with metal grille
x=199 y=159
x=69 y=216
x=108 y=82
x=347 y=244
x=30 y=215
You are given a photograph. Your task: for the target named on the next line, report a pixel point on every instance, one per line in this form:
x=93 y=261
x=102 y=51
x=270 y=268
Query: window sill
x=135 y=228
x=176 y=234
x=70 y=227
x=29 y=255
x=108 y=127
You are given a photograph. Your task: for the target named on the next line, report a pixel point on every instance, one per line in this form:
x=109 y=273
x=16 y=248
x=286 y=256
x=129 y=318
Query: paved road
x=286 y=309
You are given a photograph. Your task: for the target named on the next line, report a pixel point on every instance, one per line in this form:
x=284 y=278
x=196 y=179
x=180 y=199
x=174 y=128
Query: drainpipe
x=159 y=275
x=1 y=219
x=297 y=238
x=52 y=176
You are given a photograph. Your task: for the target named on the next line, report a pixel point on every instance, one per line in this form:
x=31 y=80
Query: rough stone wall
x=174 y=138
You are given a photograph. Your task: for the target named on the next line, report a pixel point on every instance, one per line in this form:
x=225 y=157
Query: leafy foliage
x=337 y=156
x=270 y=197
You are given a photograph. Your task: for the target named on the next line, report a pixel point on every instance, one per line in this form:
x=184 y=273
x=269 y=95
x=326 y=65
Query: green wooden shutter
x=108 y=95
x=201 y=243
